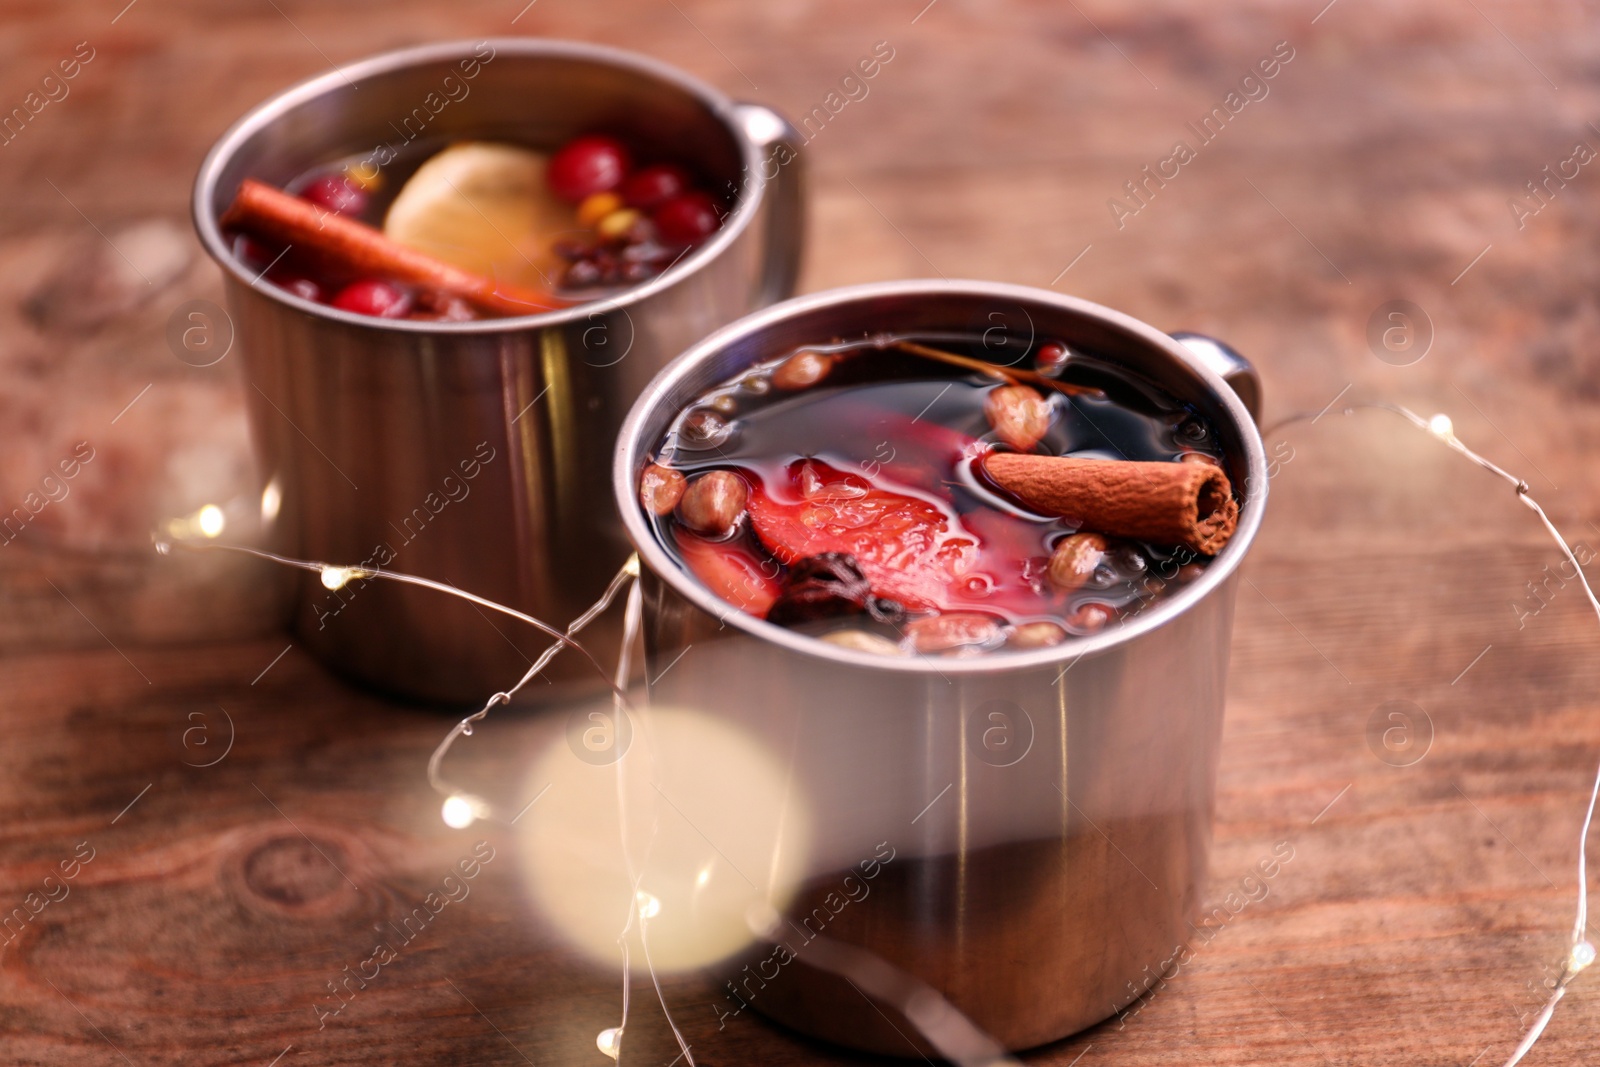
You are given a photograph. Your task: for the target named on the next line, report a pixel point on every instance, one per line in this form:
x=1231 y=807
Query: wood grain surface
x=1426 y=904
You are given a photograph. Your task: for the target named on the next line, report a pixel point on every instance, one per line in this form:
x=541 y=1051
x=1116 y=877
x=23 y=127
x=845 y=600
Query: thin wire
x=1580 y=952
x=627 y=577
x=1583 y=867
x=629 y=571
x=632 y=625
x=632 y=614
x=346 y=574
x=660 y=996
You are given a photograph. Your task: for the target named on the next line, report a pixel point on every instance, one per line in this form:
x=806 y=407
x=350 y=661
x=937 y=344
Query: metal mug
x=1046 y=814
x=477 y=453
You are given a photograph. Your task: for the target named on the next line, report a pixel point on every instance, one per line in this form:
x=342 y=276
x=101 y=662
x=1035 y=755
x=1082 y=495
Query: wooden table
x=1425 y=903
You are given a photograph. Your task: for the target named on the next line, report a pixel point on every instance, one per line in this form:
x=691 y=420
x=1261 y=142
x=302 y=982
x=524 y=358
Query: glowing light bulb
x=1441 y=426
x=649 y=906
x=457 y=813
x=336 y=577
x=271 y=501
x=609 y=1041
x=460 y=812
x=210 y=520
x=1583 y=954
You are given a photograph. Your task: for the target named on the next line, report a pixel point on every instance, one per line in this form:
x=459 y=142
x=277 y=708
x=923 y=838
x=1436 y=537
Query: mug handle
x=1238 y=372
x=779 y=143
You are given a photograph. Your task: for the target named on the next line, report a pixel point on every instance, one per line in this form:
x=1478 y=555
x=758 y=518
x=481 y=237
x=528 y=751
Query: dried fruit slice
x=483 y=207
x=731 y=571
x=911 y=549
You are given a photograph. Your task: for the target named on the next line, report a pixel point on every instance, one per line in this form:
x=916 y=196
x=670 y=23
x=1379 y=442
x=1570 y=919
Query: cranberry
x=688 y=218
x=337 y=194
x=1052 y=358
x=370 y=296
x=654 y=185
x=589 y=164
x=304 y=288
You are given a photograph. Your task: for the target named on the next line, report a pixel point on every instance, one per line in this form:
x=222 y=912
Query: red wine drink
x=852 y=491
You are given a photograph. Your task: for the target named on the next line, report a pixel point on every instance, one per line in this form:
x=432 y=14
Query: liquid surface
x=885 y=446
x=499 y=219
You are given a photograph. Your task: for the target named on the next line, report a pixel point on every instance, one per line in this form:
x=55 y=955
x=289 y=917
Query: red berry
x=1052 y=358
x=337 y=194
x=370 y=296
x=304 y=288
x=654 y=185
x=589 y=164
x=687 y=218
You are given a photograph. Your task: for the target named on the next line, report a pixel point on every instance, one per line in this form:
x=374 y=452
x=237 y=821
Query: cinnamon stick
x=260 y=209
x=1188 y=504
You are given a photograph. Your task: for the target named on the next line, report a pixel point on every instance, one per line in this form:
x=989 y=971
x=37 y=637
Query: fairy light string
x=609 y=1040
x=642 y=905
x=1581 y=952
x=456 y=798
x=462 y=807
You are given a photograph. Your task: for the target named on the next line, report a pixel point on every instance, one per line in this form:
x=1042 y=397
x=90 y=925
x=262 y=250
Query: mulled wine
x=452 y=232
x=930 y=495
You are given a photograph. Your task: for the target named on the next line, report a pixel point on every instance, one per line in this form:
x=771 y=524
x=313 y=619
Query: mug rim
x=654 y=556
x=726 y=110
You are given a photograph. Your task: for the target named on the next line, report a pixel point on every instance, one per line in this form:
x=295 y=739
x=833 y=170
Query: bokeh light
x=714 y=830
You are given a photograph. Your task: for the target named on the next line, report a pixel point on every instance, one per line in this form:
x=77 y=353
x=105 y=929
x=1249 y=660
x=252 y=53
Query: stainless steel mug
x=1020 y=837
x=477 y=453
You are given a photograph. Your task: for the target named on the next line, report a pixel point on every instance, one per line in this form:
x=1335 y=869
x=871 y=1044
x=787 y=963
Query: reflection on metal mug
x=362 y=422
